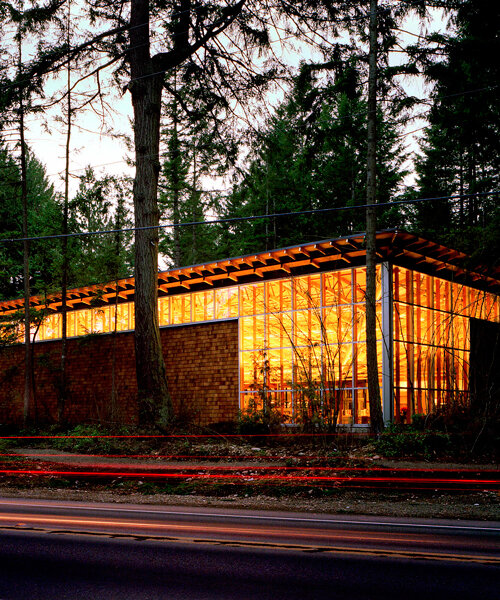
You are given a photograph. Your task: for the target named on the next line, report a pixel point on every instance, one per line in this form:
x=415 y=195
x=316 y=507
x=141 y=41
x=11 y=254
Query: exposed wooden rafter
x=399 y=247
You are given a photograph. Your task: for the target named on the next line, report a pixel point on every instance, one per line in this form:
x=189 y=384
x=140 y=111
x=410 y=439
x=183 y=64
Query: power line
x=250 y=218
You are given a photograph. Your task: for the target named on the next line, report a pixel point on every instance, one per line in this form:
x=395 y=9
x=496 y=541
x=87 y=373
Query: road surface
x=59 y=550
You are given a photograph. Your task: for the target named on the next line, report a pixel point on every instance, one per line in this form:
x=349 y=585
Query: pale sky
x=92 y=142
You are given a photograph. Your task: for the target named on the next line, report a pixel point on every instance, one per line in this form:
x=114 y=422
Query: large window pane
x=279 y=329
x=100 y=320
x=70 y=323
x=359 y=285
x=278 y=296
x=252 y=299
x=83 y=322
x=359 y=322
x=360 y=372
x=402 y=284
x=338 y=324
x=52 y=327
x=226 y=303
x=254 y=370
x=307 y=327
x=424 y=326
x=252 y=333
x=307 y=367
x=203 y=306
x=123 y=313
x=338 y=365
x=180 y=309
x=442 y=295
x=307 y=291
x=361 y=407
x=280 y=368
x=344 y=399
x=460 y=302
x=164 y=310
x=422 y=289
x=337 y=288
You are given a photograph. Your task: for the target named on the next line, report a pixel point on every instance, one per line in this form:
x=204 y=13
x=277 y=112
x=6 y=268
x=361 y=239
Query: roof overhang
x=396 y=246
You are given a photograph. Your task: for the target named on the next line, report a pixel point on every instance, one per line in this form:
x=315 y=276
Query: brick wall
x=202 y=371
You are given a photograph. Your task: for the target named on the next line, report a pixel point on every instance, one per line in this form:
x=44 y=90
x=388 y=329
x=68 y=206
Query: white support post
x=387 y=343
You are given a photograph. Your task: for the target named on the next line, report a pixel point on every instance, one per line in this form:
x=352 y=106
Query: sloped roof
x=397 y=246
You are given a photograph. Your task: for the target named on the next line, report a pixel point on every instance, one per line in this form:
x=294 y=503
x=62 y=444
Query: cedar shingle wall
x=202 y=370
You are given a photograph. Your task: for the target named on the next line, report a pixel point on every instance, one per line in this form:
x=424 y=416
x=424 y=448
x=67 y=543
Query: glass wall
x=302 y=340
x=303 y=346
x=432 y=340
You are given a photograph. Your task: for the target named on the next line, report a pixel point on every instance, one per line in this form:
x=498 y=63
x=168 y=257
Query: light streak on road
x=423 y=540
x=21 y=519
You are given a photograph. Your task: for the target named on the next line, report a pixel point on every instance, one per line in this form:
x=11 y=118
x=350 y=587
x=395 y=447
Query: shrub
x=408 y=441
x=84 y=439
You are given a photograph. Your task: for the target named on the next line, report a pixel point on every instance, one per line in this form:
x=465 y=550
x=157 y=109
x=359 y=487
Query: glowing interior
x=302 y=340
x=432 y=340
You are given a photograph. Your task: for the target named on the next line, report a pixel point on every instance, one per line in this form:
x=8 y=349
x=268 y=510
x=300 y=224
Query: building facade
x=299 y=330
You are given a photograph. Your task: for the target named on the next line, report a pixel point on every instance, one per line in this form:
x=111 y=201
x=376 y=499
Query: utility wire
x=250 y=218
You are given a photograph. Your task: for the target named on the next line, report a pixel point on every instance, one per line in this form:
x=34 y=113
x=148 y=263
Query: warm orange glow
x=432 y=339
x=302 y=338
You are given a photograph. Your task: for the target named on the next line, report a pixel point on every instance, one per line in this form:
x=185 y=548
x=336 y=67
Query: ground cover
x=321 y=473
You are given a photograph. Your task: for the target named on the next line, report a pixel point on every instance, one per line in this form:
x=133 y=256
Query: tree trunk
x=61 y=399
x=175 y=184
x=146 y=89
x=376 y=418
x=26 y=270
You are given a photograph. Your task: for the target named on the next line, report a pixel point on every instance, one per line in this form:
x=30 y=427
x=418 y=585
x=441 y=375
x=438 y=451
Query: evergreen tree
x=460 y=153
x=44 y=218
x=194 y=150
x=312 y=155
x=100 y=204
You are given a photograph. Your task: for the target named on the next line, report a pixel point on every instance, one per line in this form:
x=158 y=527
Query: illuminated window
x=203 y=306
x=164 y=310
x=180 y=309
x=279 y=329
x=252 y=333
x=100 y=320
x=278 y=296
x=337 y=288
x=226 y=303
x=307 y=328
x=307 y=291
x=83 y=322
x=52 y=327
x=252 y=299
x=280 y=368
x=70 y=324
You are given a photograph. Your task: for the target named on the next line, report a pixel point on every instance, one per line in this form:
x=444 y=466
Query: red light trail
x=267 y=478
x=249 y=467
x=219 y=436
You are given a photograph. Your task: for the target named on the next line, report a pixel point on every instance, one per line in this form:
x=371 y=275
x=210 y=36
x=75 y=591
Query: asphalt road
x=60 y=550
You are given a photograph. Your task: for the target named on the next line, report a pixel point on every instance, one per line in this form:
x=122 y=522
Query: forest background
x=270 y=102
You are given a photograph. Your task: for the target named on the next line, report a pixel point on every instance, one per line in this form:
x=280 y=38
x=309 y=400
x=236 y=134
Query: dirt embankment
x=476 y=504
